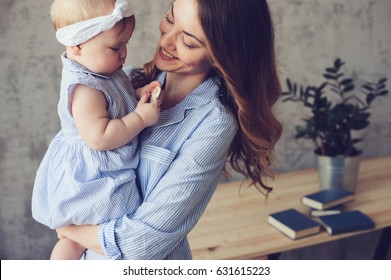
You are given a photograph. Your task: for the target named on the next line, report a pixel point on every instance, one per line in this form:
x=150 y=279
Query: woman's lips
x=166 y=55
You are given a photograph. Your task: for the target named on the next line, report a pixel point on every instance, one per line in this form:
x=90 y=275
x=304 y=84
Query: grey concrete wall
x=310 y=35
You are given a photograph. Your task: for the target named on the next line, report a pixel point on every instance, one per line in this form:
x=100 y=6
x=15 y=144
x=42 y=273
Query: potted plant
x=336 y=111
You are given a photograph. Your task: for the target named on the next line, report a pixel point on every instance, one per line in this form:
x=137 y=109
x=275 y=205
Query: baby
x=87 y=175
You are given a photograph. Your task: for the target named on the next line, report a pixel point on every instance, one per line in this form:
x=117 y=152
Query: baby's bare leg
x=67 y=249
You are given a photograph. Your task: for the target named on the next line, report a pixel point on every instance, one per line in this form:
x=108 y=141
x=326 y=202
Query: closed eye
x=167 y=17
x=184 y=43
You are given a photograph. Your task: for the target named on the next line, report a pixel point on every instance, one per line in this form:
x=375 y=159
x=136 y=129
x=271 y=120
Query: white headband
x=80 y=32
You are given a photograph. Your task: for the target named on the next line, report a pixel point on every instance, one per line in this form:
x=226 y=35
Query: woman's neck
x=177 y=87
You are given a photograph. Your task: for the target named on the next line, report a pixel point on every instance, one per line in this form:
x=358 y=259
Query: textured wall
x=310 y=35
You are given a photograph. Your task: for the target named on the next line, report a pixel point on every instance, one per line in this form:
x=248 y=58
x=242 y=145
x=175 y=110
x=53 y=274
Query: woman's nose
x=168 y=39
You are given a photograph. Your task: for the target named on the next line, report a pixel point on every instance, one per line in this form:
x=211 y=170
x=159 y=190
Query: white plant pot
x=338 y=172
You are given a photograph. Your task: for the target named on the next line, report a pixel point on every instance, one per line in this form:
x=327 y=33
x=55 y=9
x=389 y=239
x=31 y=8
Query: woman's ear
x=76 y=50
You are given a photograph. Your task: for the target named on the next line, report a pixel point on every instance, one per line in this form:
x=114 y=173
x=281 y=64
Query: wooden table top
x=234 y=225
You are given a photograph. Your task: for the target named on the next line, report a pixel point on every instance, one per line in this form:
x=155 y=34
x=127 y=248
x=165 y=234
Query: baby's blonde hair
x=67 y=12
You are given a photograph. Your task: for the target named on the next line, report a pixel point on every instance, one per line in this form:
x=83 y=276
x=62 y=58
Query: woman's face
x=182 y=45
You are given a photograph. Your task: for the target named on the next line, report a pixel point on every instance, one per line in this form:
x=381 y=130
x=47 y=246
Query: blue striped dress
x=75 y=184
x=181 y=159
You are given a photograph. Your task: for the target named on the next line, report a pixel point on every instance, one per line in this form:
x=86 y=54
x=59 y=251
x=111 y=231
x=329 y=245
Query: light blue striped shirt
x=181 y=159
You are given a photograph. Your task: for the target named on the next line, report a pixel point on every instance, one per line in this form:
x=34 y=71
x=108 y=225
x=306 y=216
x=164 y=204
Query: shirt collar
x=203 y=94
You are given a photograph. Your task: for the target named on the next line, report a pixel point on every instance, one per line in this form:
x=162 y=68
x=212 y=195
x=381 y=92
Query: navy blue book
x=326 y=199
x=293 y=223
x=346 y=222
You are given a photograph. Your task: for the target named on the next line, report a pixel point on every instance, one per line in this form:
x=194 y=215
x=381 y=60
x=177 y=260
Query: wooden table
x=234 y=225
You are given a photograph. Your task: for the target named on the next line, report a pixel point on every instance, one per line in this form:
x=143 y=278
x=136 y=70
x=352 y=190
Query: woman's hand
x=85 y=235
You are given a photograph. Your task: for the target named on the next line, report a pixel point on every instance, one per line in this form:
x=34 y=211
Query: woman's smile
x=165 y=55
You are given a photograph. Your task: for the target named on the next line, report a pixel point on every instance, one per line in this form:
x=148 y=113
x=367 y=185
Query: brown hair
x=240 y=40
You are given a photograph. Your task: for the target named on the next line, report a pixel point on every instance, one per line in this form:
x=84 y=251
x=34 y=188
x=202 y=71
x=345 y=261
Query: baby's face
x=106 y=53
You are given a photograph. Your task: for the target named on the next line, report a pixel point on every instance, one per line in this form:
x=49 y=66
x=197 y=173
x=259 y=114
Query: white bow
x=80 y=32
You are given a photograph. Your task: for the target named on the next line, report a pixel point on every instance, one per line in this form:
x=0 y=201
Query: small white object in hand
x=155 y=94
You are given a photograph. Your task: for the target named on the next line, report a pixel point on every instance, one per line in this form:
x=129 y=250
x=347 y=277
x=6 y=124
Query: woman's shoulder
x=208 y=106
x=215 y=112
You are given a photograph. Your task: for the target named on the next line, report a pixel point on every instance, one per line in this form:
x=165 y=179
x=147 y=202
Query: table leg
x=275 y=256
x=383 y=244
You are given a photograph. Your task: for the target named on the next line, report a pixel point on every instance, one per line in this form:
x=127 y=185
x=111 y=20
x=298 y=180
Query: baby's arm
x=66 y=249
x=89 y=110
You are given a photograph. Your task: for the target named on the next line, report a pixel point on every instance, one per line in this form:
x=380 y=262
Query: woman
x=216 y=63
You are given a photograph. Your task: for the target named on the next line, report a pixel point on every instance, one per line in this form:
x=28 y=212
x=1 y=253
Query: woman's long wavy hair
x=240 y=41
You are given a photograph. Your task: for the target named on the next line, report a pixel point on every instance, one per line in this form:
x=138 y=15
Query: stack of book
x=326 y=209
x=327 y=206
x=327 y=202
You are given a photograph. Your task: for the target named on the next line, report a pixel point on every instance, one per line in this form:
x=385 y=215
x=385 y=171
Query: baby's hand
x=153 y=88
x=148 y=111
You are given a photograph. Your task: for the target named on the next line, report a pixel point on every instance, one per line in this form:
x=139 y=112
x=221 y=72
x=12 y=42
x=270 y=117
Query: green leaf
x=355 y=141
x=338 y=63
x=320 y=88
x=323 y=102
x=348 y=88
x=370 y=98
x=381 y=86
x=368 y=87
x=288 y=82
x=331 y=70
x=346 y=82
x=358 y=125
x=301 y=132
x=329 y=77
x=361 y=117
x=304 y=93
